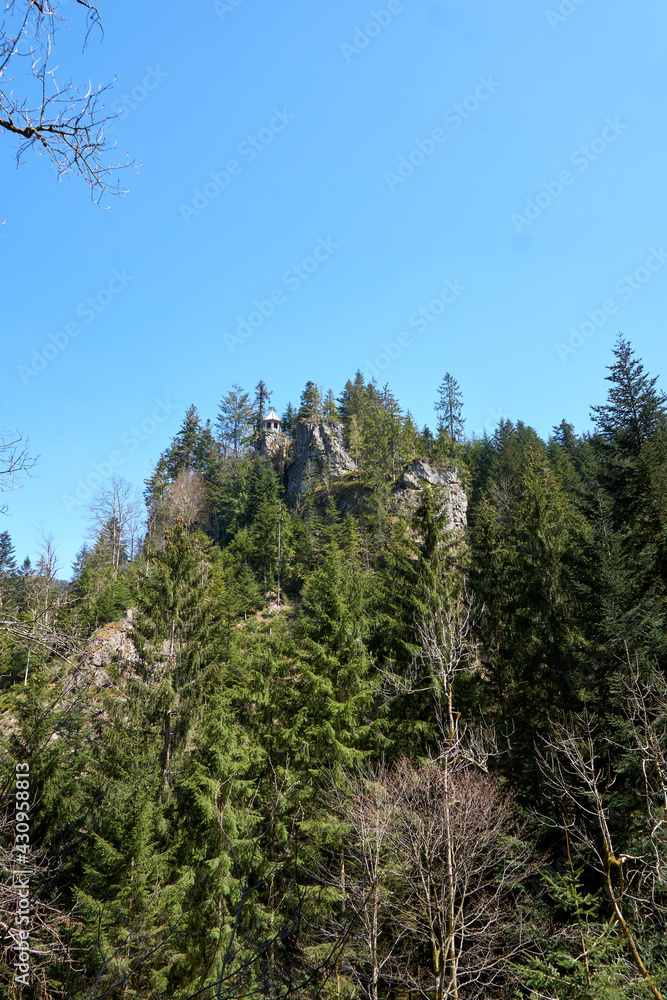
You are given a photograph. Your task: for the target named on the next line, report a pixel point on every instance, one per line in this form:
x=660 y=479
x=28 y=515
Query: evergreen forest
x=340 y=749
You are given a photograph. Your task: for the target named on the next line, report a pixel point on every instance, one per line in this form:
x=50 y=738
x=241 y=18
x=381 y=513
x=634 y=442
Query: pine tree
x=171 y=636
x=337 y=684
x=8 y=569
x=310 y=407
x=350 y=403
x=260 y=405
x=329 y=407
x=288 y=420
x=579 y=955
x=234 y=419
x=193 y=450
x=450 y=421
x=424 y=574
x=631 y=448
x=264 y=539
x=635 y=410
x=528 y=545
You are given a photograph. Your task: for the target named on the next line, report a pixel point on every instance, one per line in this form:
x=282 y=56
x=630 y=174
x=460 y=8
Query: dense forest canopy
x=341 y=748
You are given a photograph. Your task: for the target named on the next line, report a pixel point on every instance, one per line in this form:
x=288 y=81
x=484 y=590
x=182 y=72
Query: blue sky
x=407 y=187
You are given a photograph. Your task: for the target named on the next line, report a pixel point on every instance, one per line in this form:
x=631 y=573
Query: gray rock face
x=276 y=447
x=111 y=642
x=419 y=471
x=319 y=453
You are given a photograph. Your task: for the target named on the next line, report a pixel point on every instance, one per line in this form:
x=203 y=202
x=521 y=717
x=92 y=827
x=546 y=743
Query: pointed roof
x=272 y=416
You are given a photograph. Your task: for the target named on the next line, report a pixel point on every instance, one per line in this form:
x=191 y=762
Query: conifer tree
x=350 y=402
x=329 y=407
x=528 y=543
x=310 y=407
x=288 y=420
x=234 y=418
x=8 y=569
x=264 y=539
x=260 y=406
x=424 y=573
x=632 y=454
x=635 y=409
x=194 y=449
x=171 y=634
x=450 y=422
x=336 y=666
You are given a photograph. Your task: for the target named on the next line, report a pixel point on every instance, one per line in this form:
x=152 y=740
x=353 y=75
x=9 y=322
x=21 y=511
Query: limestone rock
x=276 y=447
x=319 y=453
x=420 y=470
x=111 y=642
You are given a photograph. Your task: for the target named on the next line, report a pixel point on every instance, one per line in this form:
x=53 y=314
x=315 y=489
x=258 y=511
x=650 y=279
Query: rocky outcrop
x=276 y=447
x=419 y=471
x=111 y=643
x=319 y=453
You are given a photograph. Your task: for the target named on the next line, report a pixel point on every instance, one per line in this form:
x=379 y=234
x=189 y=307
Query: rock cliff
x=111 y=642
x=276 y=447
x=319 y=454
x=418 y=471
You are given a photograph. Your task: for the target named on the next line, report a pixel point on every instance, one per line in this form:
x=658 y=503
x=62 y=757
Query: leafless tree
x=362 y=802
x=50 y=924
x=115 y=516
x=462 y=862
x=43 y=111
x=449 y=650
x=453 y=837
x=187 y=498
x=574 y=758
x=646 y=712
x=14 y=461
x=35 y=625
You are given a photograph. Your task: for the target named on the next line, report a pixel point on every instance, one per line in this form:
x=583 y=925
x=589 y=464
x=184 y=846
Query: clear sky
x=407 y=187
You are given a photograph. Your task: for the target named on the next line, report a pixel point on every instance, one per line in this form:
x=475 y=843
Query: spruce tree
x=635 y=410
x=8 y=569
x=631 y=447
x=337 y=687
x=329 y=408
x=424 y=573
x=450 y=422
x=288 y=420
x=310 y=406
x=171 y=636
x=260 y=406
x=234 y=419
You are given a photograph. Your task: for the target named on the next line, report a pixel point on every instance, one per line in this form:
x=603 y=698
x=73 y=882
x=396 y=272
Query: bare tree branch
x=55 y=117
x=573 y=759
x=14 y=461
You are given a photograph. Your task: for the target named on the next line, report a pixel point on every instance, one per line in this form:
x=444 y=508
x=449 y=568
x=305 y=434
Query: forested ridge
x=345 y=750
